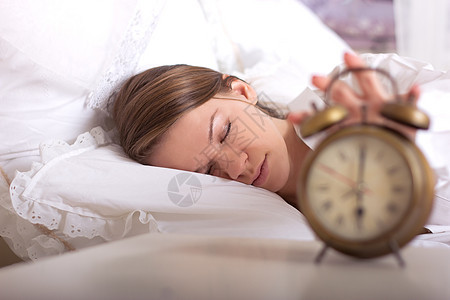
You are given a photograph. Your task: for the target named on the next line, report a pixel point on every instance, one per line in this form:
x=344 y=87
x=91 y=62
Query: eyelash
x=227 y=133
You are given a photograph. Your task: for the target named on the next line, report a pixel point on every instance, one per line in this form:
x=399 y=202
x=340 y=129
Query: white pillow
x=278 y=44
x=49 y=62
x=51 y=56
x=92 y=190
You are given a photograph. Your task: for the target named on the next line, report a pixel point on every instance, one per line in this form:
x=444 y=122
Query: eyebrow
x=211 y=123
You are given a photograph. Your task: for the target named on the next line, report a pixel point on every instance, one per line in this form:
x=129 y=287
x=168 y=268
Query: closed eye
x=226 y=135
x=227 y=132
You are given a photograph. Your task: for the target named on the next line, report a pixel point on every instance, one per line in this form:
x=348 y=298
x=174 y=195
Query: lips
x=261 y=174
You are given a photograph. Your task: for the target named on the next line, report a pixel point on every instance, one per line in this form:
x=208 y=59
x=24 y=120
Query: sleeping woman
x=196 y=119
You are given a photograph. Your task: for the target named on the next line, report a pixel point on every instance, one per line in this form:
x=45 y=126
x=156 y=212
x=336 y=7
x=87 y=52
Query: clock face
x=359 y=187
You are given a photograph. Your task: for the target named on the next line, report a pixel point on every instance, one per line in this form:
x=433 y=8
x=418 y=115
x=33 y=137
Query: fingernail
x=316 y=77
x=348 y=54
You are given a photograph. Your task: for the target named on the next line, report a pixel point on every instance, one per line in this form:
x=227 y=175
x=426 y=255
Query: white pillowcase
x=91 y=190
x=51 y=55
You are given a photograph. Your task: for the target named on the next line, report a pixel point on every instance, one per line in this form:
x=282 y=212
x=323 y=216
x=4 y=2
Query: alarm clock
x=366 y=189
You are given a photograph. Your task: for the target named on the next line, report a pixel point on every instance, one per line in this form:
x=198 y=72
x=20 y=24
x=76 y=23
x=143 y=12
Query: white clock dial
x=359 y=187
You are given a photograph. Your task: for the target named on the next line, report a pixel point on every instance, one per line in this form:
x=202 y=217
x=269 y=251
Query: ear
x=243 y=90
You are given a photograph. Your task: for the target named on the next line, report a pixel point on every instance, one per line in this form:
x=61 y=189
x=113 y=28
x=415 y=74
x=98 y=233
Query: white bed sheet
x=205 y=267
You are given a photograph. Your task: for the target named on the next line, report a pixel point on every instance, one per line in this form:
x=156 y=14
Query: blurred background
x=413 y=28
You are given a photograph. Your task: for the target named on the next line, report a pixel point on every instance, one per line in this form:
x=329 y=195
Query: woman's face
x=229 y=138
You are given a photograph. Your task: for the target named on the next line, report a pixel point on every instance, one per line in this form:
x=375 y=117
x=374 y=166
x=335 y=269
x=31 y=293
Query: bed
x=90 y=218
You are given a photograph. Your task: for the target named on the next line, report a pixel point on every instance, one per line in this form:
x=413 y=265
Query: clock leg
x=396 y=252
x=321 y=254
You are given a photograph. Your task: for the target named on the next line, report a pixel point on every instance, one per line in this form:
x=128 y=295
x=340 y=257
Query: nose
x=233 y=163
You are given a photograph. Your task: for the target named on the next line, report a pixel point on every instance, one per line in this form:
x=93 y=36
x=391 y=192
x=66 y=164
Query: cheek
x=279 y=161
x=280 y=168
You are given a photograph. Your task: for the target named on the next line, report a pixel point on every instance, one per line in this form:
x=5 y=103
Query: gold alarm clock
x=367 y=189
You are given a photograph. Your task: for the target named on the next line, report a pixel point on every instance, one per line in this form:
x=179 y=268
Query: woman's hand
x=372 y=95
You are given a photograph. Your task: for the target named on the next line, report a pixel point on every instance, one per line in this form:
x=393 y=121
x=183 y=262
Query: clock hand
x=361 y=165
x=341 y=177
x=338 y=175
x=360 y=186
x=359 y=216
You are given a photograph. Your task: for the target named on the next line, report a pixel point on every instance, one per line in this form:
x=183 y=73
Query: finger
x=297 y=117
x=321 y=82
x=353 y=61
x=343 y=94
x=368 y=82
x=414 y=94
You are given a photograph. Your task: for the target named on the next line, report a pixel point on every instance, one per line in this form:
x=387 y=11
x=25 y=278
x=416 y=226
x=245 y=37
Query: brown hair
x=149 y=103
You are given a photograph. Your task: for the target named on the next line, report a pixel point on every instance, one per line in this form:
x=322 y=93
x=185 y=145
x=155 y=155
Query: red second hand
x=341 y=177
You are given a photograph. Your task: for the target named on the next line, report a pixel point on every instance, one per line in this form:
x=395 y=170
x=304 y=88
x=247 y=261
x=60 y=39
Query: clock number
x=392 y=207
x=323 y=187
x=342 y=155
x=340 y=220
x=392 y=170
x=326 y=206
x=398 y=189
